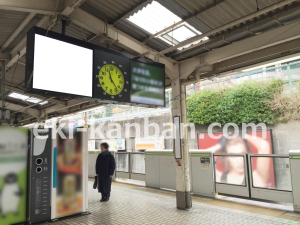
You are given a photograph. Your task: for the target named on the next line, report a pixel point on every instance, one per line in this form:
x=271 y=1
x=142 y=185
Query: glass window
x=271 y=173
x=138 y=163
x=230 y=170
x=122 y=162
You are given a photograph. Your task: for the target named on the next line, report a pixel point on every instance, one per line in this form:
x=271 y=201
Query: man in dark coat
x=105 y=168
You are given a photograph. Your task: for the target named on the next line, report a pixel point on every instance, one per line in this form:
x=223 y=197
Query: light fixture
x=27 y=98
x=33 y=100
x=43 y=103
x=18 y=96
x=272 y=63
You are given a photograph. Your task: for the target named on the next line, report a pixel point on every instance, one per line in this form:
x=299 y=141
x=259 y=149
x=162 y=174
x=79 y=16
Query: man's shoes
x=104 y=200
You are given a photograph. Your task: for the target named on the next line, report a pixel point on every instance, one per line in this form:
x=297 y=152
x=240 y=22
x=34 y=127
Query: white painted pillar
x=183 y=184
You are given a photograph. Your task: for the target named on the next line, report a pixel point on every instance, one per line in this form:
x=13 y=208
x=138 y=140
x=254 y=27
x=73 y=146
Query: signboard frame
x=95 y=48
x=177 y=138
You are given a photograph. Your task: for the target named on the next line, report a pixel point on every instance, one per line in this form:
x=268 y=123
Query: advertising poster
x=114 y=144
x=231 y=169
x=69 y=162
x=149 y=143
x=91 y=145
x=13 y=175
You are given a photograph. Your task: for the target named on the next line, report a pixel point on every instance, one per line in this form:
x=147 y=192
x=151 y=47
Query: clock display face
x=111 y=79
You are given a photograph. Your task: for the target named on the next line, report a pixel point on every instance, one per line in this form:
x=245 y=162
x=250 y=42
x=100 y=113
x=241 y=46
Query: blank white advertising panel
x=62 y=67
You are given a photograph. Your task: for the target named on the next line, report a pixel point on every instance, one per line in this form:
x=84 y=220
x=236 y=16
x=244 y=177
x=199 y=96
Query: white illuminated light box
x=150 y=143
x=62 y=67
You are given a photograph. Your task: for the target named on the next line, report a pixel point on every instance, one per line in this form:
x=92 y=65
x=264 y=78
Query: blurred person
x=234 y=166
x=105 y=168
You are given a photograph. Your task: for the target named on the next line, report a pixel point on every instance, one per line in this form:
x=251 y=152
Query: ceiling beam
x=17 y=31
x=19 y=108
x=57 y=108
x=46 y=22
x=228 y=25
x=30 y=106
x=97 y=26
x=252 y=44
x=45 y=7
x=4 y=56
x=20 y=50
x=21 y=91
x=286 y=49
x=84 y=20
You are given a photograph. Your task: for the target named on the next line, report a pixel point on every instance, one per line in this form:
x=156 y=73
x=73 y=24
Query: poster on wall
x=69 y=162
x=114 y=144
x=149 y=143
x=231 y=169
x=91 y=145
x=13 y=174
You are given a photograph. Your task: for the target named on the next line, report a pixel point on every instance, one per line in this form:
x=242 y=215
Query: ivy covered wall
x=249 y=102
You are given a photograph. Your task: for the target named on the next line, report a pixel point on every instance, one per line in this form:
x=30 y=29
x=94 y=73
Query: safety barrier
x=130 y=165
x=266 y=177
x=256 y=176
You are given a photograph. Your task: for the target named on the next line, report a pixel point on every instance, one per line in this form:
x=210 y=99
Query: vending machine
x=39 y=175
x=13 y=174
x=69 y=186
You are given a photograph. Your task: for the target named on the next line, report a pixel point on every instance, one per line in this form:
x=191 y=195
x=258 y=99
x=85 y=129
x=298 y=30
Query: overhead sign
x=59 y=65
x=147 y=84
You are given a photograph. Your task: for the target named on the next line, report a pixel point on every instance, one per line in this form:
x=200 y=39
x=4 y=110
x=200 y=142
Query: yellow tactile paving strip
x=217 y=202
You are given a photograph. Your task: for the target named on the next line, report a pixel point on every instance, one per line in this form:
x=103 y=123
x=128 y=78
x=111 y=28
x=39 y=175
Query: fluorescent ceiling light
x=43 y=103
x=27 y=98
x=33 y=100
x=272 y=63
x=155 y=17
x=18 y=96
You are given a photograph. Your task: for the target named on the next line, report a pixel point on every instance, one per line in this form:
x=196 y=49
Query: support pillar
x=183 y=184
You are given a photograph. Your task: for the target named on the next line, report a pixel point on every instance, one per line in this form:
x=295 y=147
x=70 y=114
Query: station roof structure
x=193 y=38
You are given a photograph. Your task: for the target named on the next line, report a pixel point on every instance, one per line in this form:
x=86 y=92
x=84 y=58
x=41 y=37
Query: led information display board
x=147 y=84
x=58 y=65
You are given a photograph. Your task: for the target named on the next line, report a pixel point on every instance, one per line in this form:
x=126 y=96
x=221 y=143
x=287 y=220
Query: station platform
x=133 y=204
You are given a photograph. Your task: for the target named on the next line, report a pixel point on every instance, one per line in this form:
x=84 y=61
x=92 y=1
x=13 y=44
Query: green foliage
x=244 y=103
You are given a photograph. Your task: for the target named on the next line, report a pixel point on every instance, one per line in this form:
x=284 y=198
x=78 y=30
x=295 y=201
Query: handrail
x=229 y=154
x=270 y=155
